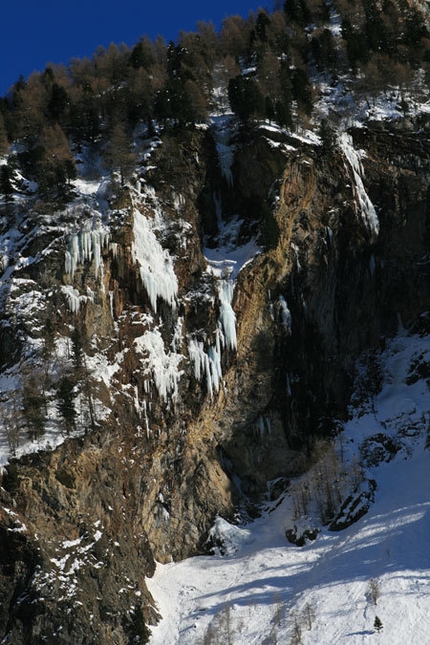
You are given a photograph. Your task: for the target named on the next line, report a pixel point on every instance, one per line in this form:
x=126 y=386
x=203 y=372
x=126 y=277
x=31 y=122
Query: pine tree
x=301 y=89
x=327 y=136
x=377 y=625
x=12 y=422
x=33 y=401
x=245 y=98
x=297 y=11
x=58 y=102
x=77 y=350
x=66 y=404
x=142 y=54
x=6 y=187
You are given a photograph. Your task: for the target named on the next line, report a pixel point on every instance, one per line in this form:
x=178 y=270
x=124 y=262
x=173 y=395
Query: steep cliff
x=197 y=381
x=180 y=321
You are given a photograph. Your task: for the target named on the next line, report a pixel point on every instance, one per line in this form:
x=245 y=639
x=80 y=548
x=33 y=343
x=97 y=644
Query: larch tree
x=118 y=152
x=4 y=143
x=55 y=165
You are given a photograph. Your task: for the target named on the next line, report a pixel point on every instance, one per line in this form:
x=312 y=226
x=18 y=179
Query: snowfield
x=264 y=590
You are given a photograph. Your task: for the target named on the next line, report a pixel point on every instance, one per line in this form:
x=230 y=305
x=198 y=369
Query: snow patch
x=325 y=583
x=227 y=538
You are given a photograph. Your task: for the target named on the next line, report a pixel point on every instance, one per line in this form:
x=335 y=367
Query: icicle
x=111 y=302
x=74 y=299
x=85 y=246
x=227 y=315
x=209 y=384
x=198 y=357
x=156 y=265
x=261 y=426
x=366 y=207
x=95 y=239
x=214 y=354
x=145 y=412
x=207 y=364
x=162 y=367
x=285 y=314
x=136 y=401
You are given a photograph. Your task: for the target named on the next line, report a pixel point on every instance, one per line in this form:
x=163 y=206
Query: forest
x=267 y=62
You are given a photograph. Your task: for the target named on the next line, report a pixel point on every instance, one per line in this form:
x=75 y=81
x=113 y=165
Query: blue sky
x=36 y=32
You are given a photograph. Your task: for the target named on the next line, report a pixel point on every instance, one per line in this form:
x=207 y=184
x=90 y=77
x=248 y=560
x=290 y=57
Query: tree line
x=265 y=61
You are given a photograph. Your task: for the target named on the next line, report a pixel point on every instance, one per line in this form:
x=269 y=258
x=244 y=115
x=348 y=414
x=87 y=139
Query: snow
x=229 y=259
x=258 y=588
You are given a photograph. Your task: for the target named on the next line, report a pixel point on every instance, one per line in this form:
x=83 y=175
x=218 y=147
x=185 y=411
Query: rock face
x=181 y=419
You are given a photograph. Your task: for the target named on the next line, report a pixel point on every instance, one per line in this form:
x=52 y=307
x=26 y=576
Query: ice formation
x=156 y=265
x=85 y=246
x=366 y=207
x=161 y=366
x=74 y=298
x=285 y=314
x=224 y=147
x=207 y=364
x=227 y=316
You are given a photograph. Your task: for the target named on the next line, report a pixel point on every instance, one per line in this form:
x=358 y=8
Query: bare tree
x=309 y=615
x=118 y=154
x=3 y=136
x=373 y=591
x=12 y=421
x=220 y=630
x=296 y=632
x=33 y=401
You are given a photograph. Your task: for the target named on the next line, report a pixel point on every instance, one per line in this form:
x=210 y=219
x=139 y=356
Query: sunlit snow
x=265 y=590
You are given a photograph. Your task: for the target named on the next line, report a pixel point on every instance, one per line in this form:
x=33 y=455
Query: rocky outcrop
x=82 y=525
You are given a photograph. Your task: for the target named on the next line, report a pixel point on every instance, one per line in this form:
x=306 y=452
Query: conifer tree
x=245 y=97
x=3 y=136
x=142 y=54
x=377 y=625
x=66 y=405
x=77 y=351
x=301 y=90
x=33 y=403
x=297 y=11
x=57 y=102
x=6 y=187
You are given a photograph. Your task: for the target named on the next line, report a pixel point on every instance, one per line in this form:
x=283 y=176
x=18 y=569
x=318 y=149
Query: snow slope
x=264 y=590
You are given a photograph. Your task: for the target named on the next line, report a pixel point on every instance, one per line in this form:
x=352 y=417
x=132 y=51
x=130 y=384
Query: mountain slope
x=264 y=590
x=198 y=241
